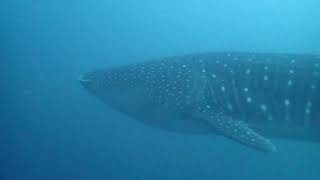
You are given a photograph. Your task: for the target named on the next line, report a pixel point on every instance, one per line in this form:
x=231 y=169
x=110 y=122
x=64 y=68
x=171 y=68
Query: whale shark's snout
x=91 y=81
x=85 y=80
x=102 y=82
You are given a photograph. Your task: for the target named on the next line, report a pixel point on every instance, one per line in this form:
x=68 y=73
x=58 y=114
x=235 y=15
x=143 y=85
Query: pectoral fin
x=239 y=132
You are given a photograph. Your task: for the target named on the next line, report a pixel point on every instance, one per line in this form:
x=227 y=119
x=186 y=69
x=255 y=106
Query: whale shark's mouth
x=84 y=79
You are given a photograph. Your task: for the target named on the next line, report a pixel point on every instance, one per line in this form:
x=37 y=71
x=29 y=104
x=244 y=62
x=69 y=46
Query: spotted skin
x=242 y=96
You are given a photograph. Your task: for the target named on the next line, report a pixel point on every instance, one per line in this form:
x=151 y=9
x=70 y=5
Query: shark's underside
x=246 y=97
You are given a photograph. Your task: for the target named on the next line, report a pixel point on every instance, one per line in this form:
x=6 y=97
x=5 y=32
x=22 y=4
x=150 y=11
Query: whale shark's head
x=94 y=81
x=116 y=87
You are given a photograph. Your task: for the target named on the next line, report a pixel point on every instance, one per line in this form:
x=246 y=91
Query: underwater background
x=51 y=128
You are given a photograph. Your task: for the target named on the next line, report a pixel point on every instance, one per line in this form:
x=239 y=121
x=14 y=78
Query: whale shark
x=249 y=98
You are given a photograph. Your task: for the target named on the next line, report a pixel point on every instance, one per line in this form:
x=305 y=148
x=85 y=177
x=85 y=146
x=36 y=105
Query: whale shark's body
x=247 y=97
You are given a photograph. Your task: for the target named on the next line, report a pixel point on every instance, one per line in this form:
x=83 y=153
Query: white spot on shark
x=287 y=102
x=270 y=117
x=263 y=107
x=229 y=106
x=309 y=103
x=307 y=111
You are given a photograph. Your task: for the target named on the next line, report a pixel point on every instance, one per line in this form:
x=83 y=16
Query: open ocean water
x=52 y=129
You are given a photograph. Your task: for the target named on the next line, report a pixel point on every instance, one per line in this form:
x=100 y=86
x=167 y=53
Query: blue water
x=51 y=128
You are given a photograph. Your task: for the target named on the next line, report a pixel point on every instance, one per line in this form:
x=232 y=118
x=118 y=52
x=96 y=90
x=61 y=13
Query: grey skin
x=247 y=97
